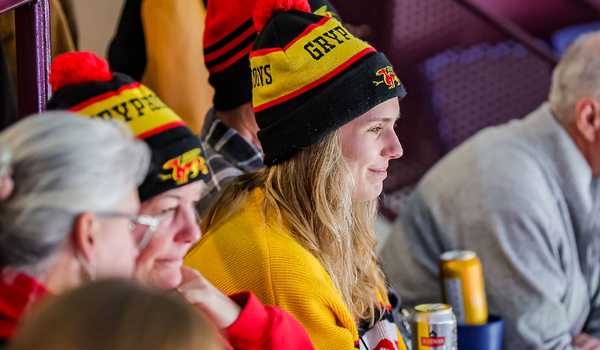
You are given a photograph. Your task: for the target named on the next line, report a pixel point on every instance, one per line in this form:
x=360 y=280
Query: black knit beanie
x=310 y=76
x=83 y=83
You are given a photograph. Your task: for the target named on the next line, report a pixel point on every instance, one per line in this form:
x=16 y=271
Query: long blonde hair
x=312 y=194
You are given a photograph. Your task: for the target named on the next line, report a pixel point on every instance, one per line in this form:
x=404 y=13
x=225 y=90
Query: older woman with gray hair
x=68 y=208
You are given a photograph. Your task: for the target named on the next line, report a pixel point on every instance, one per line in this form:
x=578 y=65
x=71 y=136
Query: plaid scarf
x=228 y=154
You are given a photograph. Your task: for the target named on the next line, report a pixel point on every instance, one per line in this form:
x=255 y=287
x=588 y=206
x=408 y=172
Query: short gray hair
x=577 y=75
x=62 y=165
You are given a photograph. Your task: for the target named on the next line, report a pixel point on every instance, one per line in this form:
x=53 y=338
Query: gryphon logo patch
x=388 y=77
x=185 y=167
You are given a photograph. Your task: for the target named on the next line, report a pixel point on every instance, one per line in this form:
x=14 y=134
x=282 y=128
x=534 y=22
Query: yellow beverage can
x=463 y=286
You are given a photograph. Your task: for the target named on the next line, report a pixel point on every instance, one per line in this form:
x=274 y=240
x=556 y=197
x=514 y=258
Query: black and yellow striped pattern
x=324 y=50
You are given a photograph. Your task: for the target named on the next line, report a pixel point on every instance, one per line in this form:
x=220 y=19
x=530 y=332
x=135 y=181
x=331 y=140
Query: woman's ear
x=84 y=230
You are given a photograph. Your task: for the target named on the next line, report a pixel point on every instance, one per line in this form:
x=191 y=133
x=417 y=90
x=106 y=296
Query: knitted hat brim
x=180 y=139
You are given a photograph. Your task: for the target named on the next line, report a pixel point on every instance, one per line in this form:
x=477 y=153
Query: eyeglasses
x=146 y=223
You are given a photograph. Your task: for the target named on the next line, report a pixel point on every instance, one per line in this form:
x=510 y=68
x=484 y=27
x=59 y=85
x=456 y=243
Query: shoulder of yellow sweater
x=252 y=240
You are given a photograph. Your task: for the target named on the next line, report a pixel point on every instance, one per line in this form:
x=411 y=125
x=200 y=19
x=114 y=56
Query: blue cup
x=481 y=337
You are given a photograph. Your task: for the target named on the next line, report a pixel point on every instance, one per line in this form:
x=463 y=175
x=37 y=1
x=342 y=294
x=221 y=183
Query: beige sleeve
x=175 y=63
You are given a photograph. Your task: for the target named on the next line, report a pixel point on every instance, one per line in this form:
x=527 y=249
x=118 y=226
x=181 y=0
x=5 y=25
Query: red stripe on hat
x=213 y=55
x=263 y=52
x=104 y=96
x=160 y=129
x=315 y=83
x=306 y=31
x=222 y=66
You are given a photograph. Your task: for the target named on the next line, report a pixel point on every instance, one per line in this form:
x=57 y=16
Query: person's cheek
x=113 y=241
x=145 y=261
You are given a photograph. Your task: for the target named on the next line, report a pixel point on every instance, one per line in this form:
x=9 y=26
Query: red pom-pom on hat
x=264 y=10
x=78 y=68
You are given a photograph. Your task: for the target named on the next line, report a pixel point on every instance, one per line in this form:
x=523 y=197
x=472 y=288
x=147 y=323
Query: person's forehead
x=387 y=111
x=384 y=117
x=189 y=192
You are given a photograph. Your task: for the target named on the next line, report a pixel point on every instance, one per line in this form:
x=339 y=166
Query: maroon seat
x=481 y=86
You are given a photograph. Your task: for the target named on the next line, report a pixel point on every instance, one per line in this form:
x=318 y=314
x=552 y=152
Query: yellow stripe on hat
x=134 y=104
x=324 y=50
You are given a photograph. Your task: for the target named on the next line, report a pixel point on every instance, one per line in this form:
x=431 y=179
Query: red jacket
x=265 y=327
x=17 y=293
x=258 y=326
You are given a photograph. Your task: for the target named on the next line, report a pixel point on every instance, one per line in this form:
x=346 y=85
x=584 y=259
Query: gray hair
x=576 y=76
x=62 y=165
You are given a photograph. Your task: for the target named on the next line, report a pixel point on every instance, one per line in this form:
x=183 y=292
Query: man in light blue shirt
x=525 y=197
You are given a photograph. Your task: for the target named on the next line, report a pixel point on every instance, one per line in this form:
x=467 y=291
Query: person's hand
x=585 y=341
x=202 y=294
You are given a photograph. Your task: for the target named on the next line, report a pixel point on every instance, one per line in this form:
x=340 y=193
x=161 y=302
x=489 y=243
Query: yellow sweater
x=249 y=252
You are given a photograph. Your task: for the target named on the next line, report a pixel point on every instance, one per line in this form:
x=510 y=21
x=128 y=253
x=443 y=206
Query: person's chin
x=369 y=192
x=375 y=187
x=376 y=192
x=168 y=274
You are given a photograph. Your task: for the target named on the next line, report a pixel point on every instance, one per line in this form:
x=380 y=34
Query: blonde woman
x=299 y=234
